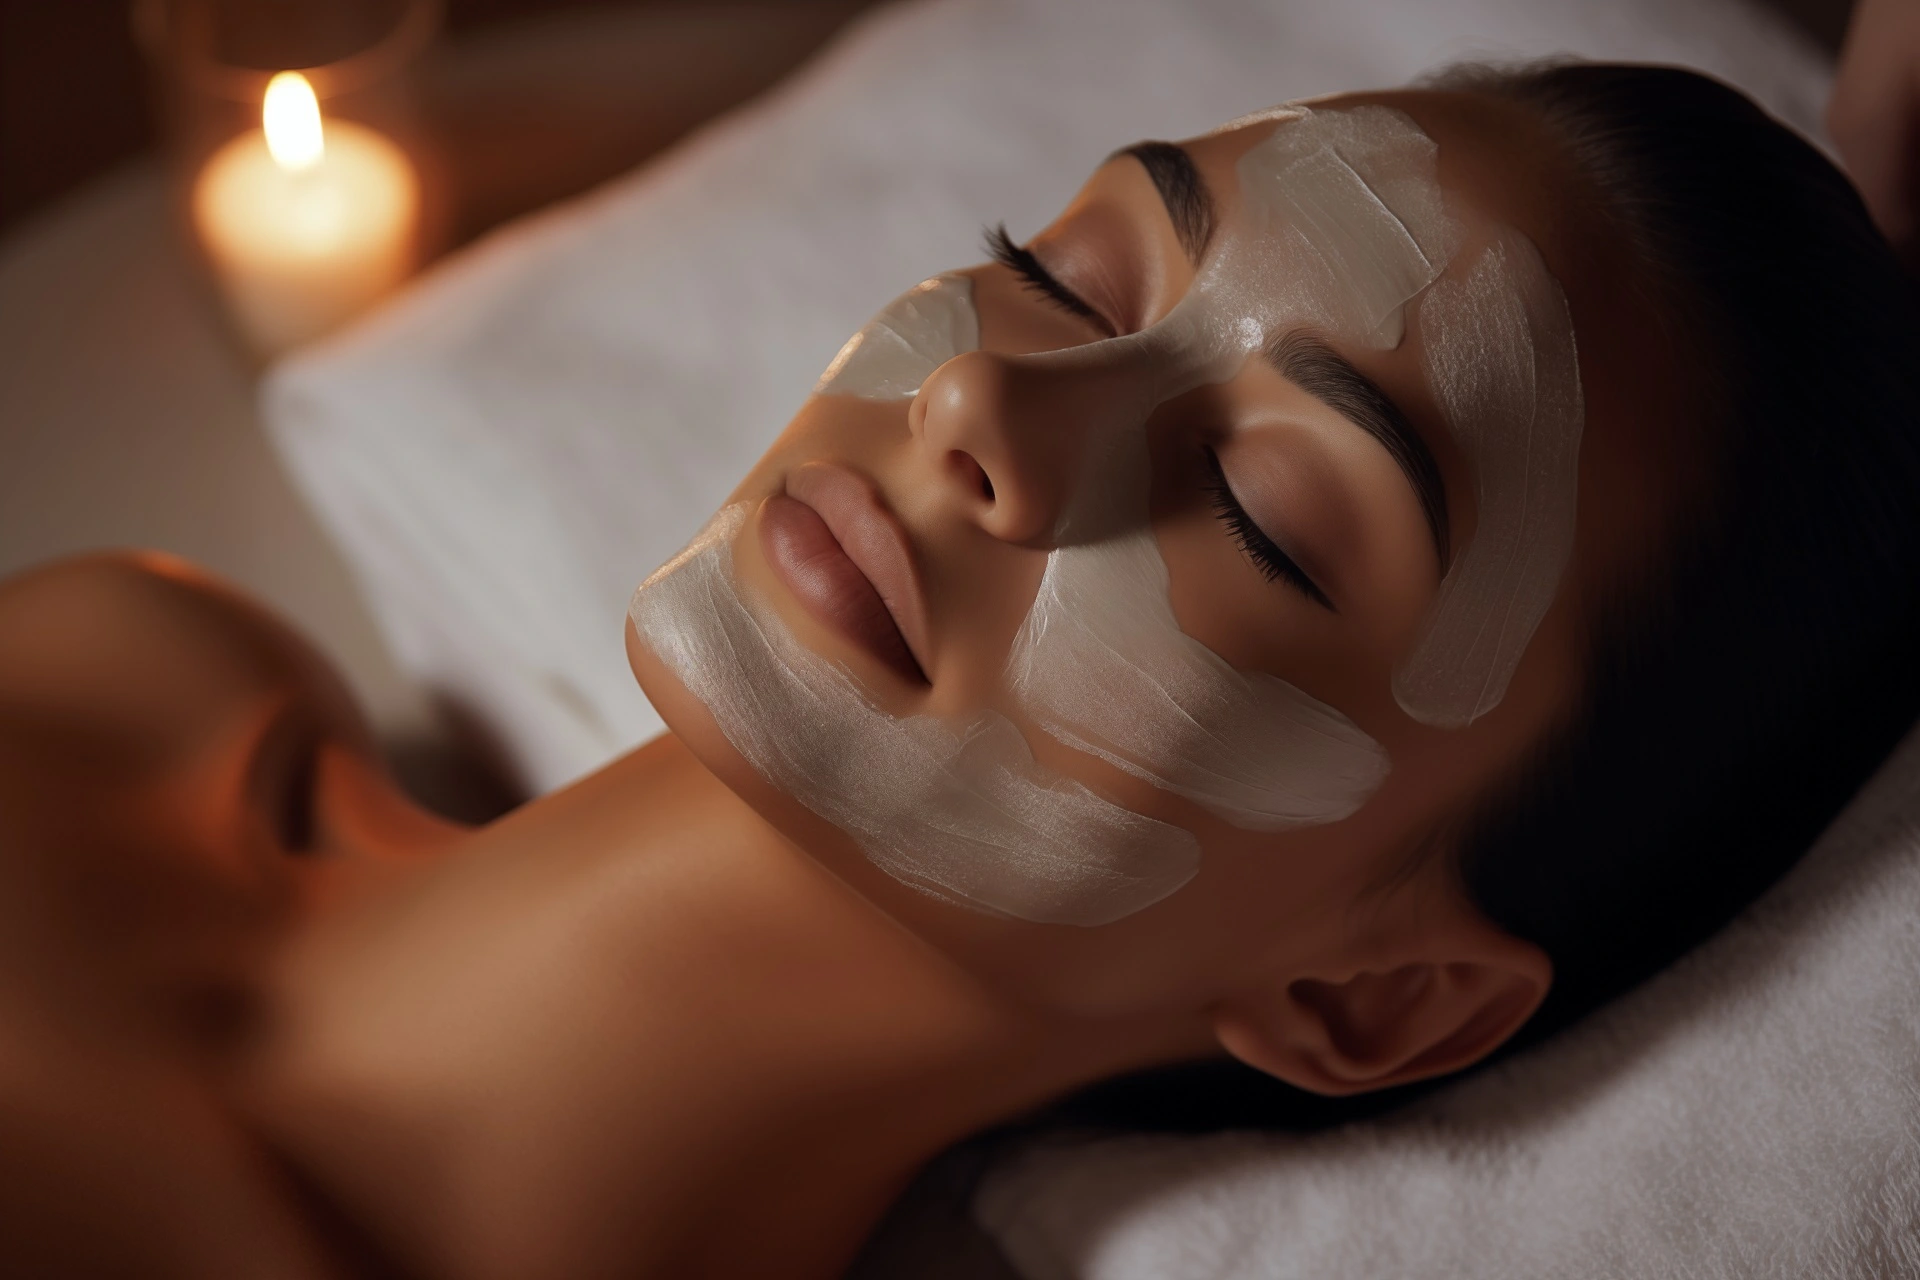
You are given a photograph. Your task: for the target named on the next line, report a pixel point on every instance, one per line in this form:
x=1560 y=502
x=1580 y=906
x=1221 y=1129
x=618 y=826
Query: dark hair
x=1739 y=695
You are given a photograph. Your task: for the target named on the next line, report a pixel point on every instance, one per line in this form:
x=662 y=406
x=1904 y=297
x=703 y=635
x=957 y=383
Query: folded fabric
x=1753 y=1114
x=507 y=450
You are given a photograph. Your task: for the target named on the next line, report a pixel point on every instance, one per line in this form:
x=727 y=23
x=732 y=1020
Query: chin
x=689 y=721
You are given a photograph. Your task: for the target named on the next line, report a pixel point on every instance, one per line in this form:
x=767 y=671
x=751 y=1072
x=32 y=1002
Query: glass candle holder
x=300 y=166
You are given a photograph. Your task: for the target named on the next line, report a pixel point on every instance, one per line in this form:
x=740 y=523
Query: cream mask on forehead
x=1341 y=223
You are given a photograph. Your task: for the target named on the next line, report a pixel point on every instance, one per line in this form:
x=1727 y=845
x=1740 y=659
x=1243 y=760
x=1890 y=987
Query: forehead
x=1642 y=451
x=1492 y=159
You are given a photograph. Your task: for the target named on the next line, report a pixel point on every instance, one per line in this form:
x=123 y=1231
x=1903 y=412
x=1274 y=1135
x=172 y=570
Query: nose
x=1004 y=436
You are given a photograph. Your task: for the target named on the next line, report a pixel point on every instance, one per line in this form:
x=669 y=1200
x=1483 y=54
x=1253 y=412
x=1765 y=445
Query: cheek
x=1104 y=666
x=956 y=808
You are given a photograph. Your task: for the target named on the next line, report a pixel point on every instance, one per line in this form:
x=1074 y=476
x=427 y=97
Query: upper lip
x=873 y=538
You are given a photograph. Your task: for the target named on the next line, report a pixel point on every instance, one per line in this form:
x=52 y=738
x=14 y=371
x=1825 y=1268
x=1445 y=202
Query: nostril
x=971 y=473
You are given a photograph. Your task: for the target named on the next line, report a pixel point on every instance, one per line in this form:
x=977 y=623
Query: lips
x=844 y=556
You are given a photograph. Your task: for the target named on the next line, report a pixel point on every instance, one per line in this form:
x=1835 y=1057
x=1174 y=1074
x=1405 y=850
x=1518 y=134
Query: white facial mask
x=1501 y=360
x=912 y=336
x=964 y=813
x=1343 y=224
x=1102 y=665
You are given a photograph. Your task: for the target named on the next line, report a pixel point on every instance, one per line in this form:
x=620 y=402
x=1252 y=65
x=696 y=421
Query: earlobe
x=1391 y=1024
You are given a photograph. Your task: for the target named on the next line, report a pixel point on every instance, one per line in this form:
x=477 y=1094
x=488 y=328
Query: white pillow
x=509 y=449
x=1752 y=1114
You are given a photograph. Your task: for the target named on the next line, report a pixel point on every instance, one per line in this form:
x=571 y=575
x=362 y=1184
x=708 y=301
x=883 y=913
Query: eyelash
x=1020 y=260
x=1267 y=557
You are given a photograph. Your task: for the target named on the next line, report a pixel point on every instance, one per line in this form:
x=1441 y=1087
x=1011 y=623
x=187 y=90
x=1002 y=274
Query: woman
x=1357 y=590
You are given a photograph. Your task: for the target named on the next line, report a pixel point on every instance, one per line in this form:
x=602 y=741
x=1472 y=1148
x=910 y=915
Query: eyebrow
x=1323 y=373
x=1189 y=202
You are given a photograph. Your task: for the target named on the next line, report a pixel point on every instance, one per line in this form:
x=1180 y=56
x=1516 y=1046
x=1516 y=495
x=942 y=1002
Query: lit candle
x=306 y=223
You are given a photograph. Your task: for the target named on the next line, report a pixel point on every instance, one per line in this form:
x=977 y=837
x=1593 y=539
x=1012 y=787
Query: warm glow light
x=291 y=117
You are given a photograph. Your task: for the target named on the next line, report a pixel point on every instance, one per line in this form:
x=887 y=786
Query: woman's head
x=1746 y=689
x=1196 y=673
x=1761 y=670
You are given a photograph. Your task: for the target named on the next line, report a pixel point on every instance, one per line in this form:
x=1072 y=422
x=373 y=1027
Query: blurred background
x=75 y=100
x=127 y=410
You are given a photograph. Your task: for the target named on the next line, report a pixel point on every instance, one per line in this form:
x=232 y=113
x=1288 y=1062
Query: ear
x=1424 y=1007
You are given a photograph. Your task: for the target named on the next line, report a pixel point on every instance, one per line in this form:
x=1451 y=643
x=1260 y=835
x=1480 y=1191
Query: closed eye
x=1034 y=274
x=1265 y=553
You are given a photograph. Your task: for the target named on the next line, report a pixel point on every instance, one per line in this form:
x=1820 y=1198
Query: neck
x=631 y=1029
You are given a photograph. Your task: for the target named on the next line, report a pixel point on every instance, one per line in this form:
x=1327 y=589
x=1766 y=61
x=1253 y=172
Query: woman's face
x=1135 y=603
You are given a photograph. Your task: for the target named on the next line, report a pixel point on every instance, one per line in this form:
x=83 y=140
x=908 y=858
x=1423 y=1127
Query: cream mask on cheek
x=959 y=811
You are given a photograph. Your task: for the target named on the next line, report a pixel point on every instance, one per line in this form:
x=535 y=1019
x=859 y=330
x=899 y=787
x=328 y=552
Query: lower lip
x=809 y=560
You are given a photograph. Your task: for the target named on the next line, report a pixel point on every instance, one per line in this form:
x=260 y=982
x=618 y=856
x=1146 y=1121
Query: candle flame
x=290 y=115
